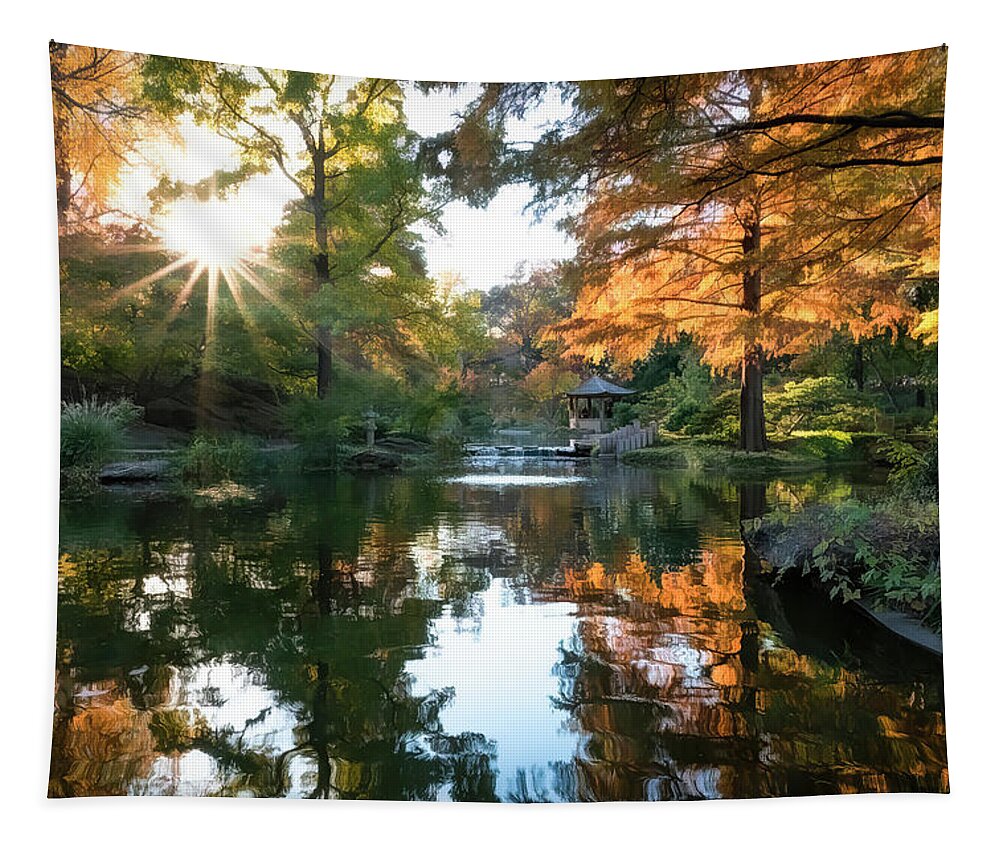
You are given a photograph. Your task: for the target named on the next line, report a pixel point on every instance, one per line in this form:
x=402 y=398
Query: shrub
x=828 y=445
x=913 y=470
x=223 y=458
x=719 y=419
x=448 y=446
x=888 y=552
x=677 y=400
x=701 y=454
x=476 y=419
x=817 y=404
x=91 y=431
x=319 y=429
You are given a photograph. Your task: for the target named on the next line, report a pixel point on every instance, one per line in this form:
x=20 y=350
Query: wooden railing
x=627 y=438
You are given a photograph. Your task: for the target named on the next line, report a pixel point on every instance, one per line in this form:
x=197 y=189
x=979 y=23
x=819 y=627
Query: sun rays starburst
x=221 y=245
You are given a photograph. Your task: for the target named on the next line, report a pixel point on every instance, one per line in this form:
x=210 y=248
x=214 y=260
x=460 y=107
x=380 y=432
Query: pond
x=516 y=630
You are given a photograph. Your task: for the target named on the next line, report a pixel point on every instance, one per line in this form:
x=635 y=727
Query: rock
x=144 y=437
x=401 y=444
x=167 y=412
x=374 y=459
x=134 y=471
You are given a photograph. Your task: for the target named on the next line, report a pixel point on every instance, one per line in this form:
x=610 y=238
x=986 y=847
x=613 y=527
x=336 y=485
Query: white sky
x=484 y=246
x=481 y=247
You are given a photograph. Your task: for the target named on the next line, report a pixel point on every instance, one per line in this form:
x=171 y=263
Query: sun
x=218 y=243
x=216 y=234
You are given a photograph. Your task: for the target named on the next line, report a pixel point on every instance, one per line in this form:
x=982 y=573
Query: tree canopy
x=346 y=148
x=757 y=211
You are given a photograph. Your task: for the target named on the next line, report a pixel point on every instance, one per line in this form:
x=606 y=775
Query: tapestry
x=498 y=442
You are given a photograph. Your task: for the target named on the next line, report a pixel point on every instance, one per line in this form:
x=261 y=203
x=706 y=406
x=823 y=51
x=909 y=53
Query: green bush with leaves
x=211 y=458
x=818 y=404
x=719 y=419
x=92 y=431
x=675 y=402
x=828 y=445
x=448 y=447
x=888 y=553
x=319 y=428
x=913 y=470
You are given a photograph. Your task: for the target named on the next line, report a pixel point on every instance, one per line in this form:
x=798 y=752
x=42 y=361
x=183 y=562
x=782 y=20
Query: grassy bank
x=886 y=553
x=800 y=452
x=107 y=442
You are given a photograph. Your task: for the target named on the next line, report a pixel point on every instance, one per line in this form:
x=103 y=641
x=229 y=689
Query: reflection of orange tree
x=102 y=746
x=714 y=704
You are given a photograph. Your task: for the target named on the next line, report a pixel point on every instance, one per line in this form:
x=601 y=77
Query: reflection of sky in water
x=507 y=480
x=231 y=695
x=639 y=576
x=502 y=674
x=226 y=697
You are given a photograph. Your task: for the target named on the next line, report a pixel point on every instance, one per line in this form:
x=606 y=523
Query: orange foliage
x=836 y=167
x=97 y=121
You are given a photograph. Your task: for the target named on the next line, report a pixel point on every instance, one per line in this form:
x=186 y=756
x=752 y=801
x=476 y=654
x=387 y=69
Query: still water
x=509 y=631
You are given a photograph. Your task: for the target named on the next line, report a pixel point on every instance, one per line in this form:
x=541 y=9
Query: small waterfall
x=477 y=450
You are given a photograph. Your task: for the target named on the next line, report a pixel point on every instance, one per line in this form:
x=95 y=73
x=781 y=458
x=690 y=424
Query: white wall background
x=507 y=40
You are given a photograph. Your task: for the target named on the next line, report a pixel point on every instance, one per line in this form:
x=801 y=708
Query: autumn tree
x=546 y=387
x=345 y=147
x=97 y=120
x=522 y=309
x=757 y=211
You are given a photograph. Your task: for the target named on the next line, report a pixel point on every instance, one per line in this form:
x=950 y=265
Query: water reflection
x=591 y=632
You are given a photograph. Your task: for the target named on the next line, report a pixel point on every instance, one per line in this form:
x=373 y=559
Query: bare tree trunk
x=753 y=436
x=321 y=262
x=858 y=368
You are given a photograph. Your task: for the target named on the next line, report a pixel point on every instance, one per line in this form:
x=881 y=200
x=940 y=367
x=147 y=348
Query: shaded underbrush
x=887 y=553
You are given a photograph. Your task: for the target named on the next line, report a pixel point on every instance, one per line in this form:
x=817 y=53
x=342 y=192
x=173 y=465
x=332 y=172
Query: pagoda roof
x=595 y=386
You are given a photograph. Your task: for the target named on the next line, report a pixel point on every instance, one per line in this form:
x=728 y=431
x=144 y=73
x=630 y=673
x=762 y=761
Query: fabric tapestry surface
x=498 y=442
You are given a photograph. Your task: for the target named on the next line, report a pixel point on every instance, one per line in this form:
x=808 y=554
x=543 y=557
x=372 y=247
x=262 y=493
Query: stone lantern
x=370 y=417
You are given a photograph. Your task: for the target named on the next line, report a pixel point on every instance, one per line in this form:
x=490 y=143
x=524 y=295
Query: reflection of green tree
x=314 y=587
x=330 y=646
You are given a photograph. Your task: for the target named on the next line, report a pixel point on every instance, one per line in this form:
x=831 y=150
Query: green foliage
x=676 y=403
x=913 y=469
x=889 y=552
x=448 y=447
x=350 y=231
x=91 y=431
x=475 y=418
x=815 y=404
x=719 y=419
x=220 y=458
x=702 y=454
x=828 y=445
x=319 y=427
x=432 y=412
x=665 y=360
